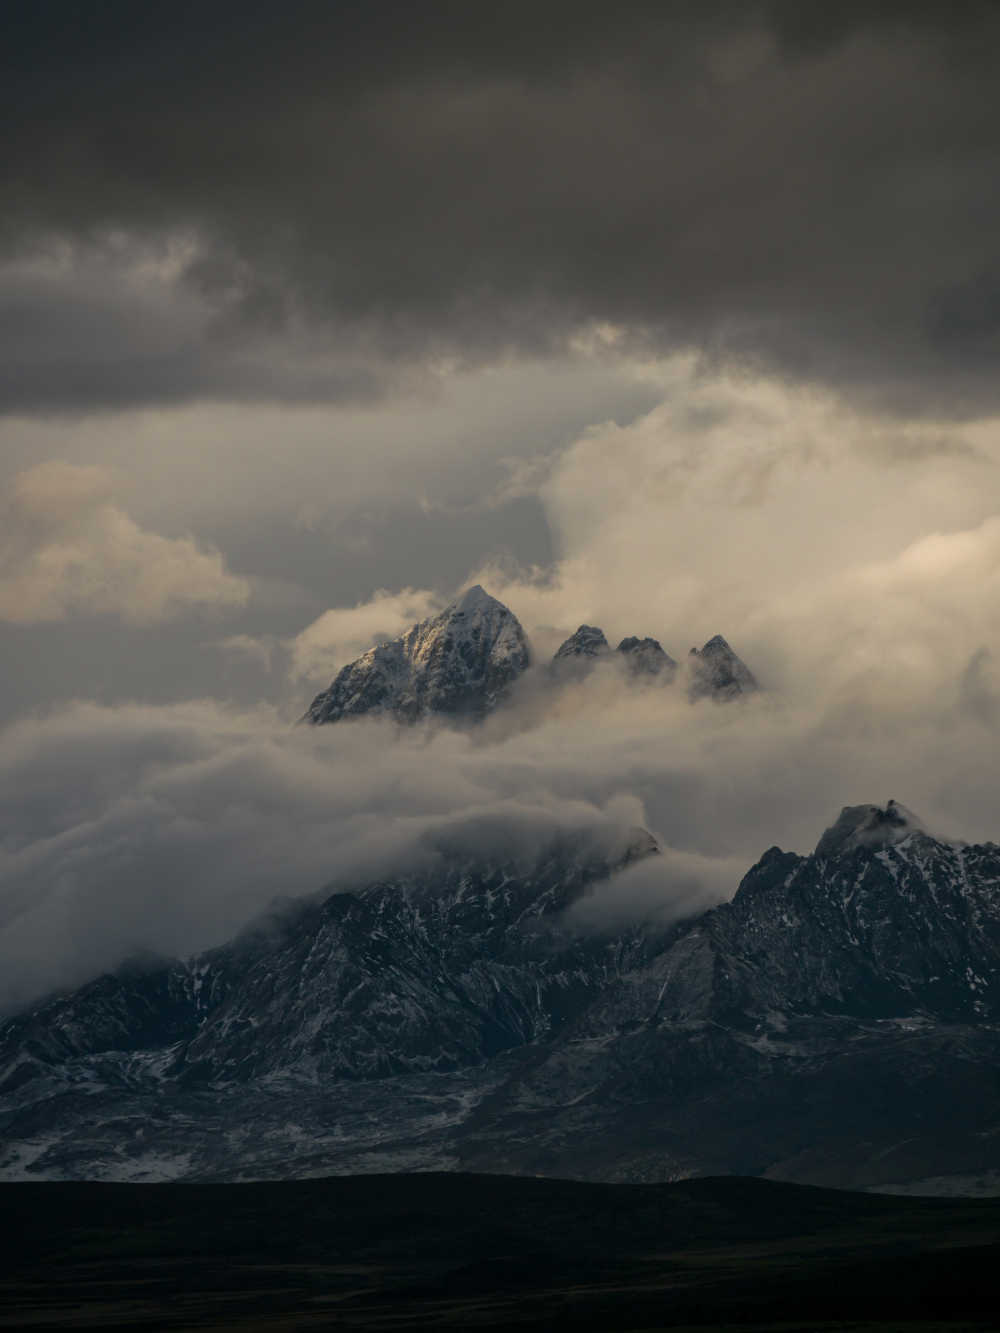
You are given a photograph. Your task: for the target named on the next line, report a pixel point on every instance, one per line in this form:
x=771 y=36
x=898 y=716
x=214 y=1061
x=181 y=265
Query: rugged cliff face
x=458 y=664
x=835 y=1022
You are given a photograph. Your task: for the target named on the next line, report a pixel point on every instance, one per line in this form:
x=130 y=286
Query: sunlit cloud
x=69 y=549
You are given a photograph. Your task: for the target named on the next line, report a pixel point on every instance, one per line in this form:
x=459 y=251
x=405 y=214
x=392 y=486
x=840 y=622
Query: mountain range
x=834 y=1023
x=465 y=662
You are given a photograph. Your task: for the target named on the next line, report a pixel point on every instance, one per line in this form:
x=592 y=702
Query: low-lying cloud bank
x=136 y=828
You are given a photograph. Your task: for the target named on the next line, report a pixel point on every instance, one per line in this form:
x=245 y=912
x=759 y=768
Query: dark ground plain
x=469 y=1252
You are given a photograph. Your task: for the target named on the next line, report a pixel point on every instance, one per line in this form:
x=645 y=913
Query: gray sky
x=678 y=319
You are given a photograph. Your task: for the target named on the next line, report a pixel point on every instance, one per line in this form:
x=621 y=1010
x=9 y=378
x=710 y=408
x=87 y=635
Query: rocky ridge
x=836 y=1022
x=463 y=663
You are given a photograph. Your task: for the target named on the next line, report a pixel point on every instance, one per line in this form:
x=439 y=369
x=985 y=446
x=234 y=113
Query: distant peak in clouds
x=645 y=657
x=587 y=642
x=459 y=663
x=717 y=672
x=462 y=663
x=476 y=600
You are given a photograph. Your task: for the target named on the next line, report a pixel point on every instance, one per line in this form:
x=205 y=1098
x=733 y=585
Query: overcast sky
x=673 y=318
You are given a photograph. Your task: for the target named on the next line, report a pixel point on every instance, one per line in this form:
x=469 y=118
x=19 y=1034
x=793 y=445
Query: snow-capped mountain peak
x=587 y=641
x=461 y=663
x=476 y=599
x=458 y=663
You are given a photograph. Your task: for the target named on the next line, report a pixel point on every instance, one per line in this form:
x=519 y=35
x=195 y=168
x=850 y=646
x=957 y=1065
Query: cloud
x=69 y=550
x=760 y=510
x=55 y=492
x=169 y=828
x=350 y=197
x=657 y=891
x=980 y=687
x=245 y=648
x=748 y=507
x=107 y=322
x=343 y=634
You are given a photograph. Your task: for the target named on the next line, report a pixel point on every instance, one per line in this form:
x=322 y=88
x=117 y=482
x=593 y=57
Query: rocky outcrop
x=581 y=649
x=644 y=659
x=715 y=672
x=458 y=664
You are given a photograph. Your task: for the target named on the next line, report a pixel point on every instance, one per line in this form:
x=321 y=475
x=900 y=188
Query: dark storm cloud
x=812 y=187
x=100 y=324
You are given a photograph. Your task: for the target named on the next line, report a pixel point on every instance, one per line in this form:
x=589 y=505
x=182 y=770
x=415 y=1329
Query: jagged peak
x=869 y=826
x=475 y=599
x=646 y=657
x=716 y=646
x=719 y=672
x=634 y=644
x=587 y=641
x=459 y=662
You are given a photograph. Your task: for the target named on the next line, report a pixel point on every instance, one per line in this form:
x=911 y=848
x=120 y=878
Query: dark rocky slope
x=836 y=1023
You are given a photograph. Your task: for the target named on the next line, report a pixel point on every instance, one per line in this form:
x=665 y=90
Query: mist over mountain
x=717 y=673
x=463 y=663
x=467 y=1015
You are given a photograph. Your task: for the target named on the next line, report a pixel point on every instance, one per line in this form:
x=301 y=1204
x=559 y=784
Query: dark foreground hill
x=462 y=1251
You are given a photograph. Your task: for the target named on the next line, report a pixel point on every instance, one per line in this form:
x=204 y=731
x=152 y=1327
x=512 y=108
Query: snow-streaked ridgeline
x=836 y=1022
x=464 y=662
